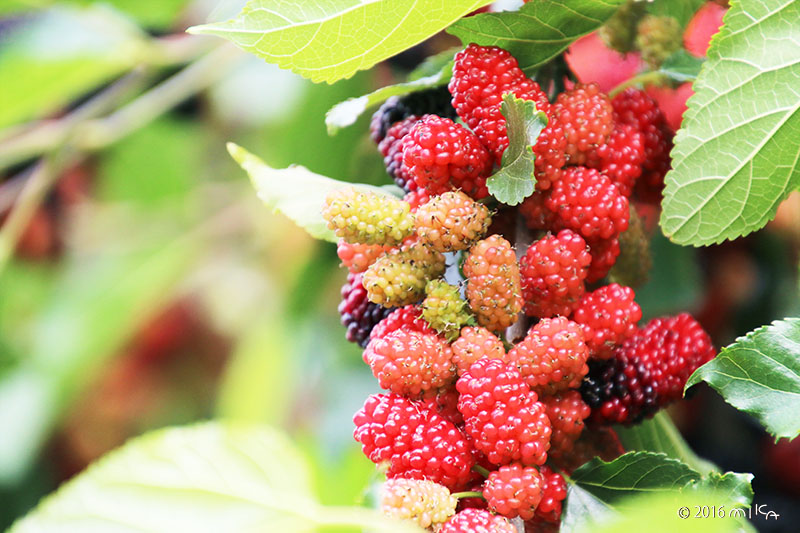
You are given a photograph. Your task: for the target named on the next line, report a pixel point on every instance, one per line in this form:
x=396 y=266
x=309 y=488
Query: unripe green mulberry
x=658 y=38
x=493 y=283
x=368 y=218
x=399 y=277
x=451 y=221
x=635 y=260
x=426 y=503
x=619 y=32
x=444 y=309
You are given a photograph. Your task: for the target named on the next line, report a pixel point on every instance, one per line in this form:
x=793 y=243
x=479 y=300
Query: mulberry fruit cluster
x=504 y=363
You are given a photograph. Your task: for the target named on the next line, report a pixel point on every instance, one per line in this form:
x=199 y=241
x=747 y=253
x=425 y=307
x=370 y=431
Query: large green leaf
x=736 y=156
x=327 y=40
x=733 y=487
x=658 y=513
x=659 y=434
x=539 y=31
x=605 y=492
x=296 y=192
x=200 y=478
x=204 y=478
x=57 y=55
x=634 y=472
x=515 y=181
x=760 y=374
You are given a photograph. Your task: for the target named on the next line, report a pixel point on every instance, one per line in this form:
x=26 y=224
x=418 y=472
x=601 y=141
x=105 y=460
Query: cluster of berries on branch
x=503 y=362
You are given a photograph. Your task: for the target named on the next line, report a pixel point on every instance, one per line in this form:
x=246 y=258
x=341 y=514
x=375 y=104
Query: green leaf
x=296 y=192
x=659 y=434
x=205 y=478
x=681 y=10
x=346 y=113
x=732 y=487
x=682 y=66
x=539 y=31
x=328 y=40
x=515 y=180
x=602 y=495
x=631 y=473
x=57 y=55
x=658 y=513
x=735 y=158
x=760 y=374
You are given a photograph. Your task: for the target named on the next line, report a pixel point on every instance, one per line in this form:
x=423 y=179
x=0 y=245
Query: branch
x=70 y=138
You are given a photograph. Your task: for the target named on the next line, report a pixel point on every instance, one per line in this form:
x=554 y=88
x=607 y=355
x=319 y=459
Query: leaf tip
x=236 y=152
x=345 y=113
x=200 y=29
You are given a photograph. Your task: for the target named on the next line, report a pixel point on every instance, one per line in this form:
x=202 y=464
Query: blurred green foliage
x=168 y=215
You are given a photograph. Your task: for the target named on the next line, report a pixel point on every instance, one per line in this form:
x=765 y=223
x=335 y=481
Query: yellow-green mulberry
x=399 y=277
x=368 y=218
x=444 y=309
x=658 y=38
x=619 y=32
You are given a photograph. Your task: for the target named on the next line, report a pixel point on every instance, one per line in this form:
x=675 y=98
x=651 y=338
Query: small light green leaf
x=57 y=55
x=631 y=473
x=296 y=192
x=346 y=113
x=659 y=434
x=515 y=181
x=440 y=62
x=736 y=156
x=539 y=31
x=682 y=66
x=328 y=40
x=760 y=374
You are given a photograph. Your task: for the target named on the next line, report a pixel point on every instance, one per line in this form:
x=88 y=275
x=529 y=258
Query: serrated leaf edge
x=670 y=186
x=321 y=74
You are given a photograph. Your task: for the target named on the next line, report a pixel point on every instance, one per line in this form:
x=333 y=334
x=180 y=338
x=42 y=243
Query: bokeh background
x=143 y=284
